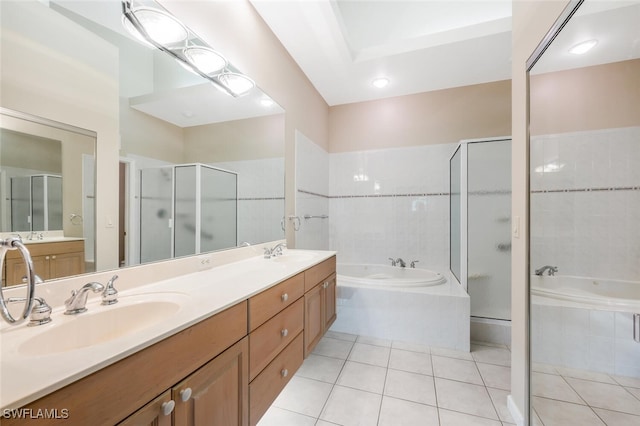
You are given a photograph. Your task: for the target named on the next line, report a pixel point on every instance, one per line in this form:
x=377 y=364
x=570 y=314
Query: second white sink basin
x=99 y=325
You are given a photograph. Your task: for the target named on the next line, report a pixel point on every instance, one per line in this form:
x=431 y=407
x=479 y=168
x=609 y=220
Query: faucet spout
x=76 y=303
x=400 y=262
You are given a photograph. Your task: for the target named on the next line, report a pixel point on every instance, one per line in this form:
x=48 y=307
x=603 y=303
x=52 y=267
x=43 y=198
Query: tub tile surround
x=389 y=382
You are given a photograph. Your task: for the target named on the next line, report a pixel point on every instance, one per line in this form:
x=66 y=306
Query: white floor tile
x=304 y=396
x=414 y=347
x=543 y=368
x=495 y=376
x=456 y=369
x=279 y=417
x=373 y=341
x=323 y=368
x=341 y=336
x=614 y=418
x=630 y=382
x=499 y=398
x=553 y=387
x=323 y=423
x=560 y=413
x=415 y=362
x=410 y=386
x=398 y=412
x=491 y=355
x=452 y=418
x=334 y=348
x=451 y=353
x=603 y=395
x=465 y=398
x=365 y=377
x=352 y=407
x=634 y=391
x=369 y=354
x=586 y=375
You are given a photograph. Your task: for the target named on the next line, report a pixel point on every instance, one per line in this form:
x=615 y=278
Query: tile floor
x=354 y=380
x=563 y=396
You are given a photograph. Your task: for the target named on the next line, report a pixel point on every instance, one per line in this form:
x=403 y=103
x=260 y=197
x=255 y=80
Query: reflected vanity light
x=583 y=47
x=159 y=29
x=267 y=103
x=550 y=168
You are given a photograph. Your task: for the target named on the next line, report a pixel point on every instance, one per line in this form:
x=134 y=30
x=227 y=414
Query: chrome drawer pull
x=284 y=297
x=167 y=407
x=284 y=372
x=284 y=332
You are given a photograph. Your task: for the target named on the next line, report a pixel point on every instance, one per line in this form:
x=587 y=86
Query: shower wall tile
x=584 y=230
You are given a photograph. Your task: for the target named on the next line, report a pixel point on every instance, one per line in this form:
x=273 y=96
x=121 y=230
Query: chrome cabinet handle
x=284 y=297
x=284 y=372
x=326 y=284
x=185 y=394
x=167 y=407
x=284 y=332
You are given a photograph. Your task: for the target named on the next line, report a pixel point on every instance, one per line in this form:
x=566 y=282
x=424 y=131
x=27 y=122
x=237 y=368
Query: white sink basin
x=99 y=325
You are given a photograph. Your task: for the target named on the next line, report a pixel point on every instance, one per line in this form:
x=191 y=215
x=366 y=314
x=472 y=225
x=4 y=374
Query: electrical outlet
x=204 y=263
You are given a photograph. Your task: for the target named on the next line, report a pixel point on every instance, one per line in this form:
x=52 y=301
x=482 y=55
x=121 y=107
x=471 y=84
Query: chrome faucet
x=551 y=270
x=35 y=235
x=393 y=261
x=76 y=303
x=40 y=313
x=110 y=294
x=400 y=262
x=274 y=251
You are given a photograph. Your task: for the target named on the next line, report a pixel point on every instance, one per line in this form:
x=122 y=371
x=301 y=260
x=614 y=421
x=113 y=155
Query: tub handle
x=413 y=263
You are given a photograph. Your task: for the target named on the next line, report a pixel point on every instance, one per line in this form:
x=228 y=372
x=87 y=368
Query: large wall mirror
x=585 y=218
x=200 y=170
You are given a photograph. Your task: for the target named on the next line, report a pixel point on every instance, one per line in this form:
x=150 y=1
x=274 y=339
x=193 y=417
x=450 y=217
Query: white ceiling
x=425 y=45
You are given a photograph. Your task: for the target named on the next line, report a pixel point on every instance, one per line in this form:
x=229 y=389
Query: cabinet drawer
x=265 y=388
x=268 y=303
x=269 y=339
x=315 y=274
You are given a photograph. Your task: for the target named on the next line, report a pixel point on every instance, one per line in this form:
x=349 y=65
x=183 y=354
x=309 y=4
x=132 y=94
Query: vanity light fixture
x=583 y=47
x=157 y=28
x=380 y=82
x=205 y=59
x=158 y=25
x=239 y=84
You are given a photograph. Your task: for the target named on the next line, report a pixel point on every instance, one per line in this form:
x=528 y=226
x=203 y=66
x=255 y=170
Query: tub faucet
x=400 y=262
x=551 y=270
x=393 y=261
x=76 y=303
x=413 y=263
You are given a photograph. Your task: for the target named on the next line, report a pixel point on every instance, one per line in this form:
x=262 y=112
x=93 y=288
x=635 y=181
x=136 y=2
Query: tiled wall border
x=260 y=198
x=602 y=189
x=421 y=194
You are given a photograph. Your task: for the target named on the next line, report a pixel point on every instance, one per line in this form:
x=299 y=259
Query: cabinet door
x=217 y=393
x=313 y=318
x=152 y=414
x=329 y=290
x=16 y=269
x=66 y=264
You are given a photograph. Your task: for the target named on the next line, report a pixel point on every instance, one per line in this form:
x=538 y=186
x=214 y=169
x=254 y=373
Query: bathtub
x=585 y=323
x=388 y=276
x=415 y=306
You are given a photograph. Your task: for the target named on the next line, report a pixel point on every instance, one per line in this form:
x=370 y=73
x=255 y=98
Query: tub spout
x=551 y=270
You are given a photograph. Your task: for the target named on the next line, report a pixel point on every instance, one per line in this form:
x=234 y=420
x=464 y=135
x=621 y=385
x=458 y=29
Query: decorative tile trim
x=494 y=192
x=602 y=189
x=260 y=198
x=410 y=195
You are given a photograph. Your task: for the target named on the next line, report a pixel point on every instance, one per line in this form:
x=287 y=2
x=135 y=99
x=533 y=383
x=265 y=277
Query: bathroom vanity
x=222 y=368
x=51 y=259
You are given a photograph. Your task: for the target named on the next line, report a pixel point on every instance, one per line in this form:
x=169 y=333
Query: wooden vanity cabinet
x=320 y=302
x=50 y=260
x=152 y=414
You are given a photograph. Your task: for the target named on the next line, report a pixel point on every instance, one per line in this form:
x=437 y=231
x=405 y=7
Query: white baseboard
x=515 y=411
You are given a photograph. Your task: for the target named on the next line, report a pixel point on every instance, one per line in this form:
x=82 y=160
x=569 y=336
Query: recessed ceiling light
x=583 y=47
x=380 y=82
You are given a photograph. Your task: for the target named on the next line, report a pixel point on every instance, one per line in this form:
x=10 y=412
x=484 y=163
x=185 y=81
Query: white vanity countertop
x=26 y=377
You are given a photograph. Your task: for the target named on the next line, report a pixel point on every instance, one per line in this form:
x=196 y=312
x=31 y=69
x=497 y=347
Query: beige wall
x=249 y=139
x=442 y=116
x=531 y=21
x=610 y=102
x=236 y=29
x=57 y=87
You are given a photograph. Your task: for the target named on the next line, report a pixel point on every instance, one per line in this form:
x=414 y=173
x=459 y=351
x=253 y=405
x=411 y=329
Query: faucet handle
x=413 y=263
x=393 y=261
x=40 y=313
x=110 y=294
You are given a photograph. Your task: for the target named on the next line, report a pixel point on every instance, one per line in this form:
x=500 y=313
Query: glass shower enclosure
x=186 y=209
x=480 y=218
x=36 y=203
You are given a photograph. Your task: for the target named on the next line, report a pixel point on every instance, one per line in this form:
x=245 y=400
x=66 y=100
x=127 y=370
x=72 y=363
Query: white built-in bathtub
x=585 y=323
x=403 y=304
